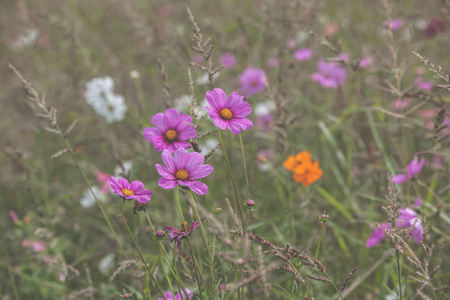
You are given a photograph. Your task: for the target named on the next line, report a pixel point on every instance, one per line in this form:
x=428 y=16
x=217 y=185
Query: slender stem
x=245 y=168
x=139 y=252
x=332 y=282
x=246 y=220
x=320 y=240
x=399 y=276
x=230 y=174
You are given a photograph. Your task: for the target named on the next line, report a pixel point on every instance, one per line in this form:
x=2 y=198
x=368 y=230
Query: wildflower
x=204 y=79
x=135 y=74
x=100 y=95
x=228 y=112
x=413 y=169
x=329 y=75
x=408 y=218
x=36 y=245
x=179 y=234
x=182 y=103
x=102 y=178
x=171 y=130
x=250 y=203
x=401 y=104
x=394 y=24
x=304 y=170
x=303 y=54
x=252 y=81
x=264 y=122
x=264 y=108
x=88 y=199
x=160 y=234
x=434 y=27
x=182 y=169
x=422 y=84
x=263 y=160
x=366 y=62
x=179 y=296
x=13 y=216
x=208 y=145
x=331 y=28
x=272 y=62
x=377 y=236
x=324 y=218
x=128 y=191
x=228 y=60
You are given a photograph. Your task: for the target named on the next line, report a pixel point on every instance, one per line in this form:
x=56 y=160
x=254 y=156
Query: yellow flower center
x=127 y=192
x=184 y=226
x=171 y=134
x=181 y=174
x=226 y=113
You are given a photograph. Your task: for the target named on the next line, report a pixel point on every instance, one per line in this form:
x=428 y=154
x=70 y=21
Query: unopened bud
x=126 y=296
x=324 y=218
x=160 y=234
x=250 y=203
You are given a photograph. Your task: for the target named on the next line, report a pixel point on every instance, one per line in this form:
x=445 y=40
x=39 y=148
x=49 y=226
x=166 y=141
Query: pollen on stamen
x=171 y=134
x=127 y=192
x=226 y=113
x=181 y=174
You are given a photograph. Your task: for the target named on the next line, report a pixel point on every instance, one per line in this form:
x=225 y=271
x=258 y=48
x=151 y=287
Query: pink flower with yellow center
x=128 y=191
x=171 y=131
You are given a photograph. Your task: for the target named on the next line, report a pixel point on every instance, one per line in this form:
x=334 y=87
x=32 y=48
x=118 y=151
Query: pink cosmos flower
x=303 y=54
x=128 y=191
x=179 y=234
x=272 y=62
x=13 y=216
x=228 y=60
x=252 y=81
x=169 y=295
x=408 y=218
x=366 y=62
x=423 y=85
x=102 y=179
x=228 y=112
x=413 y=169
x=377 y=236
x=171 y=130
x=182 y=169
x=329 y=75
x=394 y=24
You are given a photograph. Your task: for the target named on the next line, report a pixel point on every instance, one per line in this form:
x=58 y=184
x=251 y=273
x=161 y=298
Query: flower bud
x=160 y=234
x=250 y=203
x=324 y=218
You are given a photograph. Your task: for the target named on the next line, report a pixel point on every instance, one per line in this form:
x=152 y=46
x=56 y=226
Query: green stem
x=139 y=252
x=245 y=168
x=399 y=276
x=332 y=282
x=230 y=174
x=320 y=240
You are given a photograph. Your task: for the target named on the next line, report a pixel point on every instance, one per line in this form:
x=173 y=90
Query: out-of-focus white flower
x=88 y=199
x=28 y=38
x=204 y=79
x=182 y=103
x=134 y=74
x=264 y=108
x=100 y=95
x=208 y=145
x=106 y=263
x=392 y=296
x=128 y=165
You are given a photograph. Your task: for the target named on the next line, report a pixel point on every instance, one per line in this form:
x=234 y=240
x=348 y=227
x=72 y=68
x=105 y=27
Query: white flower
x=26 y=39
x=100 y=95
x=208 y=145
x=264 y=108
x=106 y=263
x=204 y=79
x=182 y=103
x=134 y=74
x=88 y=199
x=127 y=166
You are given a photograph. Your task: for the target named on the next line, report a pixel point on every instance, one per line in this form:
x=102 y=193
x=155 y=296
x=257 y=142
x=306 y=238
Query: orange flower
x=305 y=171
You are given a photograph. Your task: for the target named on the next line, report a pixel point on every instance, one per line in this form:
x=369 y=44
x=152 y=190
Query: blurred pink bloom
x=329 y=75
x=228 y=60
x=102 y=178
x=399 y=178
x=303 y=54
x=427 y=114
x=264 y=122
x=331 y=28
x=408 y=218
x=344 y=56
x=13 y=216
x=423 y=85
x=401 y=104
x=166 y=10
x=366 y=62
x=272 y=62
x=418 y=203
x=377 y=236
x=290 y=43
x=169 y=295
x=434 y=27
x=252 y=81
x=395 y=24
x=179 y=234
x=413 y=168
x=37 y=246
x=198 y=58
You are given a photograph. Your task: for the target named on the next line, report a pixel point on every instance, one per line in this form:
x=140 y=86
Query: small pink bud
x=250 y=203
x=160 y=234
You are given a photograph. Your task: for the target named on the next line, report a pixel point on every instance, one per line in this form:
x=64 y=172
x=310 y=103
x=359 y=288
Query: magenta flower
x=102 y=179
x=394 y=24
x=377 y=236
x=401 y=103
x=329 y=75
x=169 y=295
x=413 y=169
x=128 y=191
x=228 y=112
x=228 y=60
x=13 y=216
x=434 y=27
x=171 y=132
x=366 y=62
x=179 y=234
x=36 y=245
x=408 y=218
x=252 y=81
x=182 y=169
x=303 y=54
x=423 y=85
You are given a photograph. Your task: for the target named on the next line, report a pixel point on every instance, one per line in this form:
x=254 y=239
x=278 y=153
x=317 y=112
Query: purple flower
x=377 y=236
x=408 y=218
x=366 y=62
x=423 y=85
x=179 y=234
x=252 y=81
x=434 y=27
x=228 y=60
x=413 y=169
x=135 y=190
x=171 y=130
x=303 y=54
x=394 y=24
x=182 y=169
x=169 y=295
x=330 y=75
x=228 y=112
